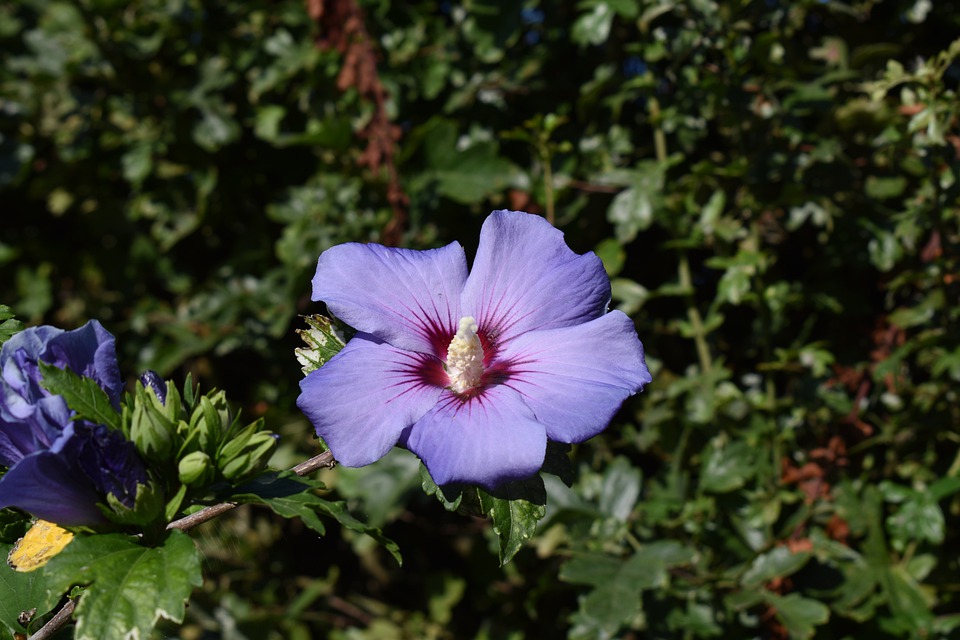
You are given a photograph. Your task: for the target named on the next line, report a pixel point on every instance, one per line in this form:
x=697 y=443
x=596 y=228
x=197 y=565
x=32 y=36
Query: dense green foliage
x=773 y=188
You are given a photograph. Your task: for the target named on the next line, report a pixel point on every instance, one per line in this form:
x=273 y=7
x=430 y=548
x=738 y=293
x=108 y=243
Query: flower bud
x=150 y=429
x=196 y=469
x=151 y=380
x=247 y=453
x=210 y=420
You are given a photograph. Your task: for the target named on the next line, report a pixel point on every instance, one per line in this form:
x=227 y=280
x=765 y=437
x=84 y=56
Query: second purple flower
x=473 y=373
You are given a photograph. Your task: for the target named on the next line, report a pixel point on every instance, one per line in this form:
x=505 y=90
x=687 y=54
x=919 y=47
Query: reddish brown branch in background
x=341 y=27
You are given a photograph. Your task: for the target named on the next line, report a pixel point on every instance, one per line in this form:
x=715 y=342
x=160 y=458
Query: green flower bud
x=210 y=420
x=246 y=454
x=196 y=469
x=151 y=430
x=237 y=441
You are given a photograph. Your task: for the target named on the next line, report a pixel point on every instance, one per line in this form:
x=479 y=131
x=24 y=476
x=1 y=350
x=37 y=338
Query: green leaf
x=557 y=462
x=710 y=214
x=918 y=517
x=632 y=210
x=698 y=620
x=854 y=595
x=726 y=467
x=735 y=284
x=450 y=497
x=216 y=128
x=383 y=488
x=13 y=524
x=619 y=582
x=9 y=326
x=949 y=362
x=878 y=188
x=944 y=487
x=798 y=614
x=593 y=27
x=620 y=489
x=907 y=600
x=515 y=509
x=131 y=586
x=921 y=313
x=82 y=394
x=611 y=253
x=292 y=496
x=885 y=250
x=778 y=563
x=466 y=176
x=137 y=163
x=21 y=593
x=491 y=26
x=267 y=125
x=630 y=295
x=473 y=174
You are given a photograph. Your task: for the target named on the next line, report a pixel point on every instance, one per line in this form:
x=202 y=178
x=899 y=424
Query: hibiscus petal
x=410 y=299
x=487 y=440
x=41 y=426
x=362 y=399
x=45 y=485
x=16 y=441
x=575 y=378
x=110 y=461
x=525 y=278
x=89 y=351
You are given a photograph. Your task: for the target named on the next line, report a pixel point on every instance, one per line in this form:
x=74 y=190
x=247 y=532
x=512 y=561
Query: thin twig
x=207 y=513
x=61 y=618
x=186 y=523
x=53 y=625
x=325 y=459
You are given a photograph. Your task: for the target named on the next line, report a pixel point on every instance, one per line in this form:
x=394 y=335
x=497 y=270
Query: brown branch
x=53 y=625
x=186 y=523
x=325 y=459
x=341 y=27
x=207 y=513
x=61 y=618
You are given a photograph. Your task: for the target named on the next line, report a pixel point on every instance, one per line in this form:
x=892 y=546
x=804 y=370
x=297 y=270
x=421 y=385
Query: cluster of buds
x=198 y=437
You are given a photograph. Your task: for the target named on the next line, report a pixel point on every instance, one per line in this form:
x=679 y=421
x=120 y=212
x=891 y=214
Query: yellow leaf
x=43 y=541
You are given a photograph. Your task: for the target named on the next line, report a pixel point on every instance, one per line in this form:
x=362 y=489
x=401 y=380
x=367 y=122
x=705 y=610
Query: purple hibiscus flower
x=59 y=469
x=473 y=373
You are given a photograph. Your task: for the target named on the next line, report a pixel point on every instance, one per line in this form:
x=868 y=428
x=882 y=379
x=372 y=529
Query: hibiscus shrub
x=770 y=186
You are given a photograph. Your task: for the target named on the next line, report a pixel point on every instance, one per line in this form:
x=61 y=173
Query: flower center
x=465 y=357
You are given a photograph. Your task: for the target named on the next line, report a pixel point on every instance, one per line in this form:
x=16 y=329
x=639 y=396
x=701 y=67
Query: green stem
x=693 y=314
x=659 y=137
x=677 y=461
x=547 y=180
x=954 y=469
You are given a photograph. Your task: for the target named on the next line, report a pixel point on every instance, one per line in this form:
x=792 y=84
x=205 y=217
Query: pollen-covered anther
x=465 y=357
